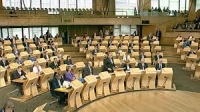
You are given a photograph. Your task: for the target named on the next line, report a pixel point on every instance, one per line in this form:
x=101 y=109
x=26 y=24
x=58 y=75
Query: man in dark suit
x=19 y=73
x=36 y=40
x=95 y=51
x=4 y=62
x=109 y=64
x=142 y=65
x=142 y=55
x=160 y=65
x=57 y=82
x=130 y=50
x=159 y=34
x=157 y=56
x=42 y=48
x=127 y=66
x=25 y=44
x=55 y=64
x=88 y=70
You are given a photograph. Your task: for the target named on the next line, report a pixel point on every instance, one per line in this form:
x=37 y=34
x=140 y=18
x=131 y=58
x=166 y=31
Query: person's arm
x=55 y=85
x=68 y=77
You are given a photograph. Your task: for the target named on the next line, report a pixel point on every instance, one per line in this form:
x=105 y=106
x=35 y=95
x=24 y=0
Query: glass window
x=53 y=31
x=26 y=3
x=72 y=4
x=15 y=31
x=154 y=3
x=46 y=4
x=35 y=31
x=164 y=3
x=44 y=30
x=11 y=3
x=84 y=4
x=26 y=32
x=35 y=4
x=174 y=4
x=125 y=30
x=197 y=4
x=125 y=7
x=5 y=32
x=183 y=3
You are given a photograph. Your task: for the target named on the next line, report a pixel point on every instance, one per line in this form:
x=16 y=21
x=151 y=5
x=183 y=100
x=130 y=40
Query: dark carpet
x=181 y=79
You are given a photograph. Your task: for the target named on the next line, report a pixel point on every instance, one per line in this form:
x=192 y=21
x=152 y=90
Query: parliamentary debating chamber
x=99 y=55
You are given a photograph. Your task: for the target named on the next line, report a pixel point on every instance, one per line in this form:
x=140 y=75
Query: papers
x=66 y=84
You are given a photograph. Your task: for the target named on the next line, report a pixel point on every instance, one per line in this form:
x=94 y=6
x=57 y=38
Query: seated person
x=37 y=68
x=109 y=64
x=16 y=52
x=120 y=44
x=25 y=44
x=42 y=48
x=69 y=75
x=130 y=50
x=46 y=56
x=119 y=51
x=95 y=51
x=88 y=70
x=157 y=56
x=54 y=49
x=32 y=57
x=8 y=107
x=126 y=57
x=68 y=61
x=190 y=53
x=127 y=65
x=87 y=46
x=19 y=60
x=29 y=49
x=160 y=65
x=142 y=55
x=59 y=55
x=4 y=62
x=19 y=73
x=57 y=82
x=55 y=64
x=142 y=65
x=131 y=44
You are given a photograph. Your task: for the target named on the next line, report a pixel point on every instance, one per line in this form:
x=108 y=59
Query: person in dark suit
x=57 y=82
x=127 y=66
x=95 y=51
x=55 y=64
x=130 y=50
x=46 y=56
x=120 y=44
x=160 y=65
x=36 y=40
x=16 y=52
x=4 y=62
x=158 y=34
x=157 y=56
x=131 y=44
x=109 y=64
x=25 y=44
x=54 y=49
x=68 y=61
x=88 y=70
x=42 y=48
x=142 y=65
x=142 y=55
x=19 y=73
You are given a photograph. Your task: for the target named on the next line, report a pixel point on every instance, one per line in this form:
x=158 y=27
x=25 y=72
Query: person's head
x=68 y=69
x=68 y=57
x=19 y=68
x=89 y=63
x=55 y=60
x=36 y=63
x=142 y=60
x=157 y=53
x=58 y=76
x=46 y=52
x=110 y=55
x=9 y=106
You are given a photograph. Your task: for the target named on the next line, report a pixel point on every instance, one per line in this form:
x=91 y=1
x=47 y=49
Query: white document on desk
x=66 y=84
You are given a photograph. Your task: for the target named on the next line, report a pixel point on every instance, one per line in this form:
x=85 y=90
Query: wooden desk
x=94 y=42
x=102 y=48
x=88 y=92
x=33 y=46
x=125 y=42
x=7 y=43
x=136 y=48
x=77 y=69
x=157 y=48
x=132 y=62
x=10 y=57
x=146 y=49
x=30 y=41
x=117 y=62
x=148 y=79
x=50 y=52
x=194 y=46
x=148 y=61
x=27 y=65
x=104 y=43
x=135 y=55
x=61 y=50
x=133 y=80
x=165 y=78
x=12 y=67
x=41 y=40
x=45 y=45
x=145 y=43
x=147 y=54
x=37 y=53
x=184 y=52
x=24 y=55
x=20 y=48
x=42 y=62
x=63 y=68
x=19 y=41
x=2 y=74
x=98 y=59
x=102 y=86
x=136 y=38
x=117 y=83
x=124 y=48
x=7 y=49
x=197 y=71
x=112 y=48
x=44 y=79
x=190 y=61
x=136 y=42
x=115 y=42
x=74 y=99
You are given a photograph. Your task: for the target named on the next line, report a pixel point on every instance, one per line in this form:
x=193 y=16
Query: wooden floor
x=147 y=101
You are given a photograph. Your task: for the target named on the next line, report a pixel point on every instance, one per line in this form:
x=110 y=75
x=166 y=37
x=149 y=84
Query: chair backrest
x=52 y=92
